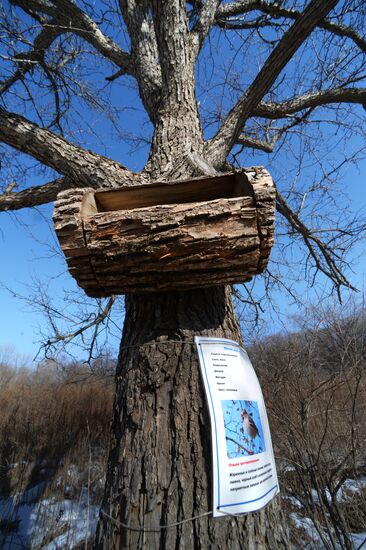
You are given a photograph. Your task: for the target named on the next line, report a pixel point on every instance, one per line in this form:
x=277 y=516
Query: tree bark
x=160 y=457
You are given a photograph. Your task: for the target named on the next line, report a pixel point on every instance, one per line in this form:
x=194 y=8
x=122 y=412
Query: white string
x=143 y=530
x=169 y=525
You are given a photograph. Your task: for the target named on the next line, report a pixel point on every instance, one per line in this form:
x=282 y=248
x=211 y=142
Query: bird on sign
x=250 y=426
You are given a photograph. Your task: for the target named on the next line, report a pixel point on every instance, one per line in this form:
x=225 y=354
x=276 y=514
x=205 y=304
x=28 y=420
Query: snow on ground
x=308 y=527
x=32 y=521
x=359 y=540
x=306 y=524
x=351 y=486
x=50 y=524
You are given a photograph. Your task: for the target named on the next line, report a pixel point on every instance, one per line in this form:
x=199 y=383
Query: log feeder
x=168 y=236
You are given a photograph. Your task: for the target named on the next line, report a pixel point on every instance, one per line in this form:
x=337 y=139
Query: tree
x=158 y=470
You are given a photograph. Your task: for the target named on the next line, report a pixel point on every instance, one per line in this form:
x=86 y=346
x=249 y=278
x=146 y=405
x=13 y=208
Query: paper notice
x=244 y=471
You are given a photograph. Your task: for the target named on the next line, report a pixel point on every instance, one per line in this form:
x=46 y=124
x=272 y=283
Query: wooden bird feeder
x=168 y=236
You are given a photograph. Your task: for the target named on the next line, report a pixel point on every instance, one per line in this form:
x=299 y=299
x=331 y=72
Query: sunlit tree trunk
x=159 y=468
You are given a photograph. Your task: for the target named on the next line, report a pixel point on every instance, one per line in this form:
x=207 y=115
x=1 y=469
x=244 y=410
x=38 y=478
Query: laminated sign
x=244 y=471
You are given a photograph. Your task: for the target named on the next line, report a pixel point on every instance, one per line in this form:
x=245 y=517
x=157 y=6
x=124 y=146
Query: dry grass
x=51 y=423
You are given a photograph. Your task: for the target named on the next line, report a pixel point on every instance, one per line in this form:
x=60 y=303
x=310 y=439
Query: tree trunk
x=159 y=468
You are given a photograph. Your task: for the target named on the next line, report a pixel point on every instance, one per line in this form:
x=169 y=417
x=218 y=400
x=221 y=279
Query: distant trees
x=54 y=432
x=315 y=384
x=45 y=412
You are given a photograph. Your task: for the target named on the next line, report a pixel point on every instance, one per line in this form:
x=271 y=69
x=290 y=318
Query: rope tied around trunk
x=157 y=530
x=120 y=524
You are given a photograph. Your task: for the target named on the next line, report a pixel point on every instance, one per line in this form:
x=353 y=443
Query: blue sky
x=29 y=253
x=25 y=260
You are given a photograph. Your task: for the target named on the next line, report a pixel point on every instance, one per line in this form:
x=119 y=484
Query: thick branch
x=221 y=144
x=253 y=143
x=259 y=22
x=86 y=28
x=241 y=7
x=144 y=52
x=206 y=18
x=171 y=28
x=80 y=165
x=316 y=99
x=35 y=196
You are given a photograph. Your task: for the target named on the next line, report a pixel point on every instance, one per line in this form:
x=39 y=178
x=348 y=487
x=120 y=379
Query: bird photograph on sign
x=243 y=428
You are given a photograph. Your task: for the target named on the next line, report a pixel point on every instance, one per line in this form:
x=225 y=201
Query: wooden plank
x=172 y=281
x=202 y=226
x=180 y=192
x=103 y=266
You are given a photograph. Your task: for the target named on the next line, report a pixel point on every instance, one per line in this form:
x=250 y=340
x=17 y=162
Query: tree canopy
x=87 y=88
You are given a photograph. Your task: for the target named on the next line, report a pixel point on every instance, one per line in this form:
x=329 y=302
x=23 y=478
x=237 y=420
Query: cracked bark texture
x=160 y=456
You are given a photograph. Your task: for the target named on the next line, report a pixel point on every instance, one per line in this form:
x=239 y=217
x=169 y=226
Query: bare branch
x=86 y=28
x=80 y=165
x=81 y=327
x=205 y=20
x=253 y=143
x=325 y=261
x=241 y=24
x=241 y=7
x=220 y=146
x=26 y=60
x=238 y=444
x=35 y=196
x=268 y=146
x=74 y=20
x=311 y=100
x=95 y=323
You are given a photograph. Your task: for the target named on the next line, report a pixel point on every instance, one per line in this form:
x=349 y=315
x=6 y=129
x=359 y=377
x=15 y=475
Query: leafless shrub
x=314 y=382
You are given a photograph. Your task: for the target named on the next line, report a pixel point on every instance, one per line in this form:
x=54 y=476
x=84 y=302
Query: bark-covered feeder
x=168 y=236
